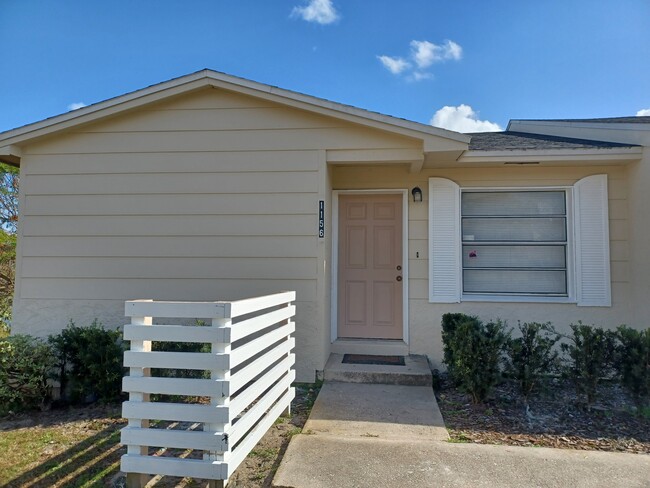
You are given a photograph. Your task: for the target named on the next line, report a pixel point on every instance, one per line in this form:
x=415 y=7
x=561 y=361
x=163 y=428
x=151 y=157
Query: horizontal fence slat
x=176 y=333
x=170 y=466
x=174 y=386
x=184 y=310
x=181 y=439
x=257 y=411
x=255 y=324
x=254 y=436
x=176 y=360
x=251 y=371
x=253 y=391
x=240 y=354
x=249 y=305
x=181 y=412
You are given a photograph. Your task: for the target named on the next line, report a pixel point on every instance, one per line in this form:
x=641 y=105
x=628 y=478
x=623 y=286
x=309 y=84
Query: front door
x=370 y=266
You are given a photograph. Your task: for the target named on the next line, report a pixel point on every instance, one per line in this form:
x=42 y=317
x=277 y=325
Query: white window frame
x=588 y=258
x=570 y=251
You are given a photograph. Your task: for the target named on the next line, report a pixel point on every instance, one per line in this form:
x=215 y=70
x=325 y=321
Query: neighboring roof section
x=522 y=141
x=603 y=120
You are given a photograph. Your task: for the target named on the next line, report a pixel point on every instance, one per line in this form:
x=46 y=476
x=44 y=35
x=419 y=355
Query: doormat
x=368 y=359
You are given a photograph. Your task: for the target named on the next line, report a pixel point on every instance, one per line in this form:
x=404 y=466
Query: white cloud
x=319 y=11
x=423 y=54
x=420 y=75
x=394 y=65
x=462 y=119
x=452 y=50
x=643 y=112
x=76 y=105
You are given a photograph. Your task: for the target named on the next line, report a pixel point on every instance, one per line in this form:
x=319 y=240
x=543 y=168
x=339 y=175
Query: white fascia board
x=220 y=80
x=551 y=155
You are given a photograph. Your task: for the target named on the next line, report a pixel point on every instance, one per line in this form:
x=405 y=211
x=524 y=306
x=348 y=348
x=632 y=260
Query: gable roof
x=207 y=77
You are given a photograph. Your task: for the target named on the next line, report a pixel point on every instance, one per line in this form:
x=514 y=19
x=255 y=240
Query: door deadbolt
x=399 y=268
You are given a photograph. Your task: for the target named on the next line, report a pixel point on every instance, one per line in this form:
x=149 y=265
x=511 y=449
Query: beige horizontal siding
x=170 y=183
x=179 y=225
x=161 y=162
x=170 y=246
x=170 y=268
x=173 y=204
x=391 y=177
x=172 y=289
x=232 y=140
x=212 y=119
x=210 y=98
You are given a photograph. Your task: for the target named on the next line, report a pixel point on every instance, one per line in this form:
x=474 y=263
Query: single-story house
x=213 y=187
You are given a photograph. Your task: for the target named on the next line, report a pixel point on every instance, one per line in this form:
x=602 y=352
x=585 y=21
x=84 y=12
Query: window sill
x=516 y=299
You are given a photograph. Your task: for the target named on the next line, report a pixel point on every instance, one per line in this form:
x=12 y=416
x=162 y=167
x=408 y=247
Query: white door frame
x=335 y=257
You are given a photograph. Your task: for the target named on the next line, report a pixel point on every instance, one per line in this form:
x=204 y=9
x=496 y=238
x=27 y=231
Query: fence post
x=287 y=411
x=220 y=398
x=136 y=480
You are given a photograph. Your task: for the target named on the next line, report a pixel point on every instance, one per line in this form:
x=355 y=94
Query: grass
x=79 y=447
x=63 y=454
x=292 y=432
x=458 y=438
x=266 y=454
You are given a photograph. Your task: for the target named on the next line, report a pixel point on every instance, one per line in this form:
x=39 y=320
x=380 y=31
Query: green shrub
x=181 y=347
x=89 y=362
x=633 y=362
x=531 y=356
x=25 y=365
x=476 y=349
x=590 y=353
x=450 y=322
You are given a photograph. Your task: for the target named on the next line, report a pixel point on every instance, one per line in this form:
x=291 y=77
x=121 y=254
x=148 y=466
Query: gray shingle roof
x=603 y=120
x=521 y=141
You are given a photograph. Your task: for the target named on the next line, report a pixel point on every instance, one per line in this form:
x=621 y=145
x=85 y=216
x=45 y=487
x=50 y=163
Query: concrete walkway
x=361 y=435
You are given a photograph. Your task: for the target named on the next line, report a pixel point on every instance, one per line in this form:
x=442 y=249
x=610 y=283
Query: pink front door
x=370 y=266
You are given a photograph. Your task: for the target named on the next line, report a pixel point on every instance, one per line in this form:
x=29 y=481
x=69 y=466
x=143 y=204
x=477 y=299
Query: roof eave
x=618 y=154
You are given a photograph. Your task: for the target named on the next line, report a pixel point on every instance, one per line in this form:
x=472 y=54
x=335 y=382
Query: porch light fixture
x=417 y=194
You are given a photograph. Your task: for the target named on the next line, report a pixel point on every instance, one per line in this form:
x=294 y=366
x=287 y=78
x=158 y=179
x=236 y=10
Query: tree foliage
x=8 y=223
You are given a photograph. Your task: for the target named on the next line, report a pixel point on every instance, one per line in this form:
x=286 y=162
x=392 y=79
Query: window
x=523 y=244
x=514 y=242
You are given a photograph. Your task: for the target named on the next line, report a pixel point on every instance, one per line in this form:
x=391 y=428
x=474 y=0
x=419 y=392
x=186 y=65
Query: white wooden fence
x=251 y=372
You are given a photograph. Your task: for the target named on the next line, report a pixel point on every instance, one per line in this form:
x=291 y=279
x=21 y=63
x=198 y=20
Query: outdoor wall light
x=417 y=194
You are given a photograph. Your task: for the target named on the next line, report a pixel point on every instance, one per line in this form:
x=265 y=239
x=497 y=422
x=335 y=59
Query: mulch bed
x=554 y=418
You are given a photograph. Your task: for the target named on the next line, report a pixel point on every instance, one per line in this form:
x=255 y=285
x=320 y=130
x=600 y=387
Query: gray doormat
x=368 y=359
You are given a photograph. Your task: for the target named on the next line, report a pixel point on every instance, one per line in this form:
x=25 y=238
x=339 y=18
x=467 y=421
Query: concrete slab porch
x=380 y=435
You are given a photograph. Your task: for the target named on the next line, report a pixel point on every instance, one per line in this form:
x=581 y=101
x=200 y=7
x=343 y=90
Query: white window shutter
x=592 y=242
x=444 y=241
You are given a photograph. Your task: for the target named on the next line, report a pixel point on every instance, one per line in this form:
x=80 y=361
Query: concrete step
x=415 y=372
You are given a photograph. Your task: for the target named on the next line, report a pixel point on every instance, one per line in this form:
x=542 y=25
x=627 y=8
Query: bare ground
x=555 y=418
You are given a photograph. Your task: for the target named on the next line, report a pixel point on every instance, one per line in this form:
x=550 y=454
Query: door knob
x=399 y=278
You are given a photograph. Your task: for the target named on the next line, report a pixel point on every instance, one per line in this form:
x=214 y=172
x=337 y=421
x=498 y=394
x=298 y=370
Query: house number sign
x=321 y=218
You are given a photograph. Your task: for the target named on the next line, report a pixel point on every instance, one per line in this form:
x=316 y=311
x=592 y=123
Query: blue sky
x=485 y=61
